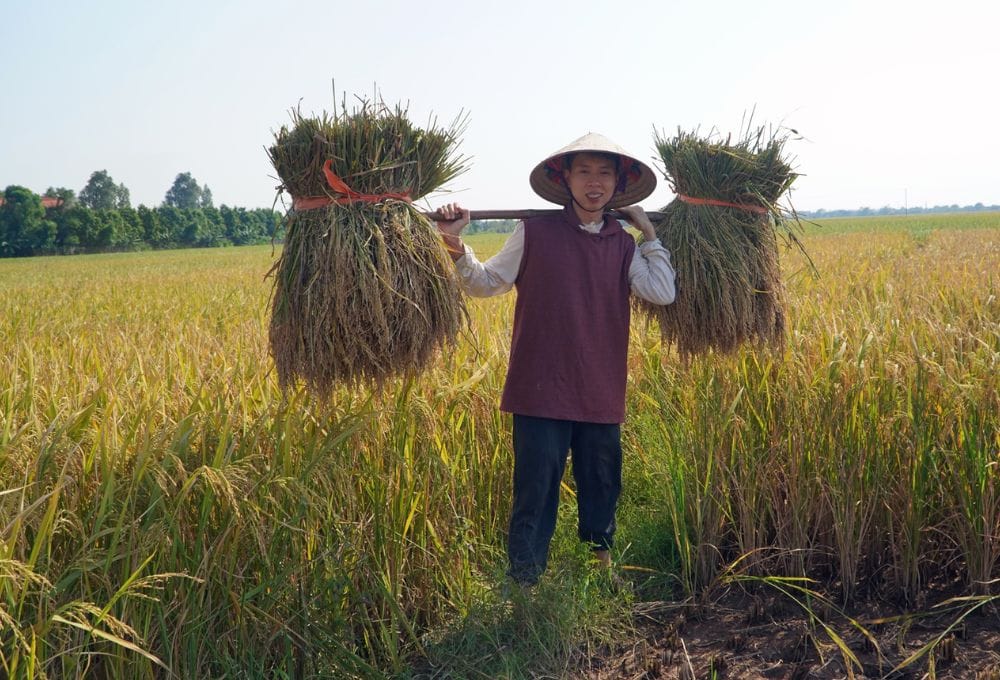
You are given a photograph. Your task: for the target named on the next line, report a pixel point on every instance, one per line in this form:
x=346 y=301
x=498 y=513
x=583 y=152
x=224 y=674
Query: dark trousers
x=540 y=448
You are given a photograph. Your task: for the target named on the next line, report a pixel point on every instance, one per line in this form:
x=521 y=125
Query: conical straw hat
x=636 y=180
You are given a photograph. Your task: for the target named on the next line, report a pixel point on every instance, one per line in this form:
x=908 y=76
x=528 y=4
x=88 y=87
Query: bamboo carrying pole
x=524 y=214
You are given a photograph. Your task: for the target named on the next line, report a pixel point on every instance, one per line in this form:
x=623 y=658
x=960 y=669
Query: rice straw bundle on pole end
x=364 y=289
x=722 y=232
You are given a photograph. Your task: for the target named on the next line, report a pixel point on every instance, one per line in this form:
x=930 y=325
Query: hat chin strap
x=601 y=209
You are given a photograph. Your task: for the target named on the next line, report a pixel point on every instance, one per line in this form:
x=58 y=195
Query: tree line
x=493 y=226
x=101 y=219
x=888 y=210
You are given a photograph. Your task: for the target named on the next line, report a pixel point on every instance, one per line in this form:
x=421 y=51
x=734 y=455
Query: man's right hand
x=456 y=218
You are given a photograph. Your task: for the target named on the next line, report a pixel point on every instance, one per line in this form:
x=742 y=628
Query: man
x=574 y=273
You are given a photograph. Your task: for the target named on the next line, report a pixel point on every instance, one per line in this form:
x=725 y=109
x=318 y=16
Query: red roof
x=47 y=201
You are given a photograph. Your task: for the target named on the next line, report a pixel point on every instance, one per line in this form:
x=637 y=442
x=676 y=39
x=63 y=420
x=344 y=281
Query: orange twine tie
x=760 y=210
x=349 y=195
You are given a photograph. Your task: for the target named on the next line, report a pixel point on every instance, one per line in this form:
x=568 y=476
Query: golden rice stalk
x=363 y=291
x=729 y=287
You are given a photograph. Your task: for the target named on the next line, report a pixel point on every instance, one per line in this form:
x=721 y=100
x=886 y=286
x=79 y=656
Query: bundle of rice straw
x=364 y=289
x=722 y=232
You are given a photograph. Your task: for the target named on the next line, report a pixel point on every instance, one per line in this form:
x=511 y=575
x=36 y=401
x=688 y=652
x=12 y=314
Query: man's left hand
x=637 y=218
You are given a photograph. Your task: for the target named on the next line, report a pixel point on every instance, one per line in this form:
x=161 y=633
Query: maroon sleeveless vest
x=569 y=348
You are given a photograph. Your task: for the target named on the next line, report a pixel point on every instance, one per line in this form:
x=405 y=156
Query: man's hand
x=456 y=218
x=638 y=219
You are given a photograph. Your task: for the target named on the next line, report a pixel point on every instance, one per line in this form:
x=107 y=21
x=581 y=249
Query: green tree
x=153 y=231
x=71 y=223
x=255 y=226
x=101 y=192
x=238 y=229
x=67 y=196
x=132 y=232
x=228 y=216
x=122 y=197
x=106 y=231
x=87 y=227
x=185 y=193
x=206 y=197
x=272 y=224
x=172 y=224
x=497 y=226
x=215 y=234
x=197 y=229
x=23 y=227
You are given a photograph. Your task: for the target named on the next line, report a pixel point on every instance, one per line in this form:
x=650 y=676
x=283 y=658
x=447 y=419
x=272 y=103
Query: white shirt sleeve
x=650 y=275
x=497 y=274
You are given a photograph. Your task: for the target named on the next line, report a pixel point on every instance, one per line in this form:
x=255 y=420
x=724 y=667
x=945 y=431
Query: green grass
x=162 y=505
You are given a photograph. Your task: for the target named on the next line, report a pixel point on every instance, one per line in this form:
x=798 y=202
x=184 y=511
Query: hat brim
x=547 y=181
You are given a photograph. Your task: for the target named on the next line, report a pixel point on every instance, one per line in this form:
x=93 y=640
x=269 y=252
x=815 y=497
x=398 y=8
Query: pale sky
x=896 y=100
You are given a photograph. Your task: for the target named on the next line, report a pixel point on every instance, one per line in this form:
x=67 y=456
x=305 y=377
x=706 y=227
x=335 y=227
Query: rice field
x=165 y=511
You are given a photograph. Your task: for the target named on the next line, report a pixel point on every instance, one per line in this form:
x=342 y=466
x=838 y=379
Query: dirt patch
x=768 y=636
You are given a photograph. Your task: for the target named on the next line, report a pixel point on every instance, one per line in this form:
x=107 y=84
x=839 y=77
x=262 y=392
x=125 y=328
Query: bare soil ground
x=769 y=636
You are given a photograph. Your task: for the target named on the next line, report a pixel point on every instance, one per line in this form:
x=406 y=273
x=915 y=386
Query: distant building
x=47 y=202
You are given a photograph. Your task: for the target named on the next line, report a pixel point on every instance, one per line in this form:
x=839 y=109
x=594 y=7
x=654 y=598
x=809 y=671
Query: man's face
x=591 y=180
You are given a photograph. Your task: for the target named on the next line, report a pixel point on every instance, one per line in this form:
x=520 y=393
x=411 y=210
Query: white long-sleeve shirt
x=650 y=274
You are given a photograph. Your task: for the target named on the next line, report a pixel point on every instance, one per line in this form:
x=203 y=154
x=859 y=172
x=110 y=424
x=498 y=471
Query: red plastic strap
x=725 y=204
x=349 y=195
